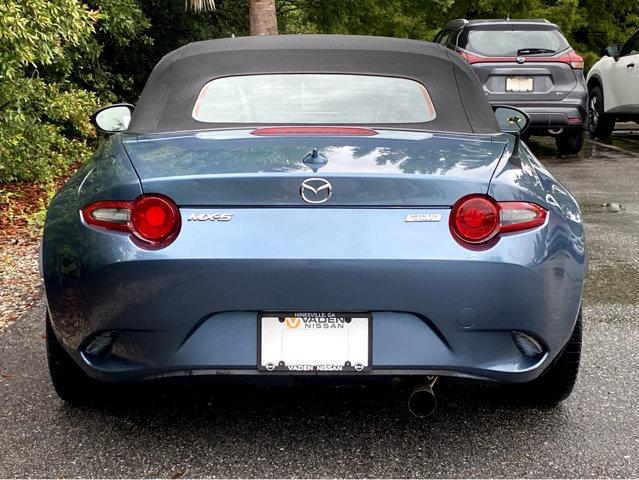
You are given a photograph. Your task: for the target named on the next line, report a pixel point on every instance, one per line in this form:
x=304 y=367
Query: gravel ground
x=19 y=279
x=22 y=206
x=354 y=432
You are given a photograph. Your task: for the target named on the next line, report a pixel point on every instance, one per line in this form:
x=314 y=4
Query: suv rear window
x=313 y=99
x=506 y=43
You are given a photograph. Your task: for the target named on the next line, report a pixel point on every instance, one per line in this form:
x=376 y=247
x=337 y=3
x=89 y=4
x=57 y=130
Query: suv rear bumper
x=570 y=112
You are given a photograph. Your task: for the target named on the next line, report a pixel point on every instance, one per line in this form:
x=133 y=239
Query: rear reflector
x=100 y=344
x=477 y=219
x=154 y=219
x=528 y=345
x=314 y=131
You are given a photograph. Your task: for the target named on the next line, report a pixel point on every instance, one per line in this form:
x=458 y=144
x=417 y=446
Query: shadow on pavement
x=298 y=406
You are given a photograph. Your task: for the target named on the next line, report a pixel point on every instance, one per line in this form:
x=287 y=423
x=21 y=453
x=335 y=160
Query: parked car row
x=530 y=64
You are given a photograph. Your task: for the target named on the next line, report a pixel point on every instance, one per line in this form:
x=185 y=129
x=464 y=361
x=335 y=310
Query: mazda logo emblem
x=315 y=190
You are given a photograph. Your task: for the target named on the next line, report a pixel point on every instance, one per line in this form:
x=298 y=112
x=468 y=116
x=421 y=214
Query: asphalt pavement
x=315 y=431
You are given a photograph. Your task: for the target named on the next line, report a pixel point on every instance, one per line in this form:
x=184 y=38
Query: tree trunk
x=262 y=17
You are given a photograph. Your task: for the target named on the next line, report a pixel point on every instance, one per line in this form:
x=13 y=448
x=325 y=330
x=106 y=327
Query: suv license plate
x=519 y=84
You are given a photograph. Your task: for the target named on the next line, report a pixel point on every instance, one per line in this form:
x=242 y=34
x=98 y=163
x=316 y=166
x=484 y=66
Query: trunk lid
x=390 y=168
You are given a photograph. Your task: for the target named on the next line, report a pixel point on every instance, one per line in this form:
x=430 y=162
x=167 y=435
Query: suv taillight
x=572 y=59
x=476 y=219
x=473 y=58
x=154 y=219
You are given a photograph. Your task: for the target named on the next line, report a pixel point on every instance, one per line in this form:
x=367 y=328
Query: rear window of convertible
x=313 y=99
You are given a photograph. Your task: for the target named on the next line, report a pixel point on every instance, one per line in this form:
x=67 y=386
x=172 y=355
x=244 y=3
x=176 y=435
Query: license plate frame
x=359 y=365
x=520 y=84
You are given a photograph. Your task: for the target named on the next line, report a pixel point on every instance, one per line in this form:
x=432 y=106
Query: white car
x=613 y=84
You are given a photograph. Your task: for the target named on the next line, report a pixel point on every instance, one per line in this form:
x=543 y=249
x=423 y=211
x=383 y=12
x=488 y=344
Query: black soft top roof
x=170 y=93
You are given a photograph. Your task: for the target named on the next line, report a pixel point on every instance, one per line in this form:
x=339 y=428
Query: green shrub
x=43 y=129
x=44 y=117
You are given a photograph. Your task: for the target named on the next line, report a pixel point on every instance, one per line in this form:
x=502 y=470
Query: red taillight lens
x=572 y=59
x=478 y=218
x=475 y=219
x=154 y=218
x=472 y=58
x=576 y=61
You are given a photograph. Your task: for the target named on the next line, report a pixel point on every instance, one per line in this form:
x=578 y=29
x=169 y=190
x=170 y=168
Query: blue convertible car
x=314 y=206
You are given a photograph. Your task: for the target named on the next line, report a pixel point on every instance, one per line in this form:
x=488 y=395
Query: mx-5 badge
x=210 y=217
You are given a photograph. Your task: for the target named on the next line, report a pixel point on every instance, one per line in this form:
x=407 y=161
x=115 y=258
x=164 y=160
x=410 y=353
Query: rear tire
x=569 y=142
x=69 y=381
x=600 y=124
x=558 y=381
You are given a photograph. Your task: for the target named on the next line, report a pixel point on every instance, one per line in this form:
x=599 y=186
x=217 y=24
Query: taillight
x=572 y=59
x=473 y=58
x=108 y=215
x=517 y=216
x=576 y=61
x=154 y=219
x=476 y=219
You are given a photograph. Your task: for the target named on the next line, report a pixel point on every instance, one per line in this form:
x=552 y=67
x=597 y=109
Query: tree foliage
x=391 y=18
x=59 y=59
x=44 y=117
x=590 y=25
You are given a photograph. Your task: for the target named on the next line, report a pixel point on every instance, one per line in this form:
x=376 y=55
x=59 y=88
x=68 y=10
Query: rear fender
x=521 y=177
x=108 y=174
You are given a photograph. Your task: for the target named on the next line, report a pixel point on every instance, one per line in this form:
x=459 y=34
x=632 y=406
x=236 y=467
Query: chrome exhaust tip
x=422 y=402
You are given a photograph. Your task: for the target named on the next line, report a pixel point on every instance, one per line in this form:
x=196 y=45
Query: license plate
x=519 y=84
x=298 y=342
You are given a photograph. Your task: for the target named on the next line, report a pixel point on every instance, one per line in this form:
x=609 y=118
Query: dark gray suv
x=528 y=64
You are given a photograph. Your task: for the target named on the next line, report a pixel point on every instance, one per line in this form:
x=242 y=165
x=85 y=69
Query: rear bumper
x=569 y=112
x=437 y=307
x=402 y=344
